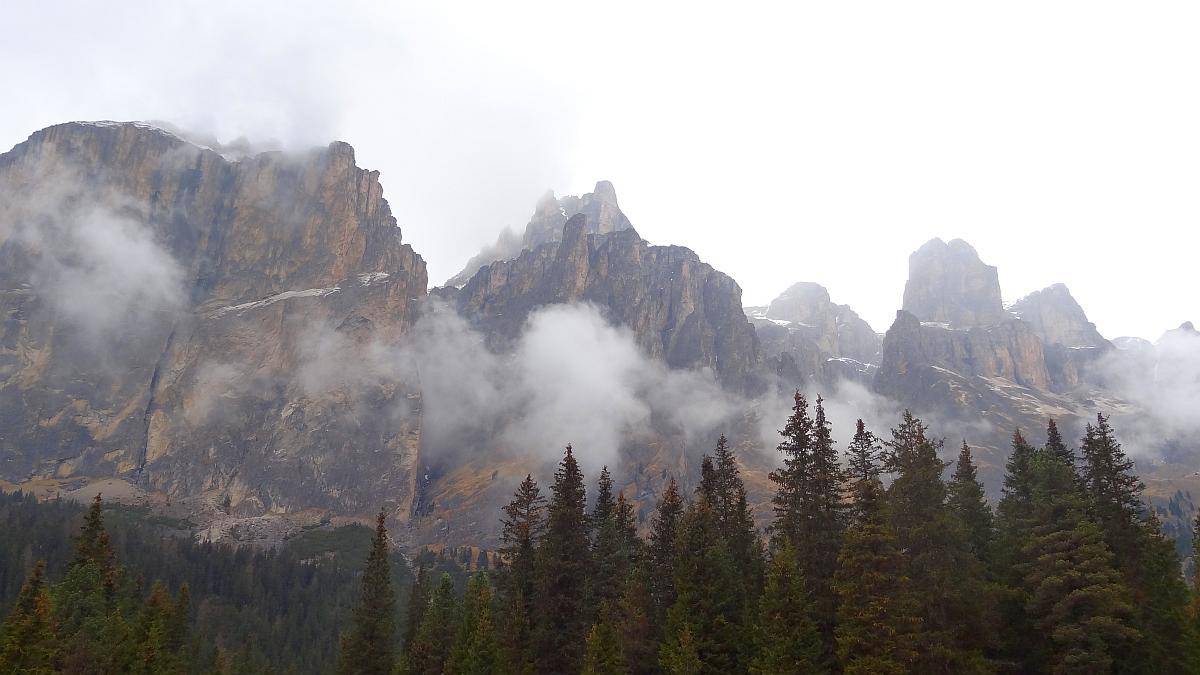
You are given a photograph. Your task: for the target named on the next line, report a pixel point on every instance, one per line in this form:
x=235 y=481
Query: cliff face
x=177 y=318
x=948 y=283
x=806 y=338
x=1057 y=318
x=603 y=215
x=680 y=309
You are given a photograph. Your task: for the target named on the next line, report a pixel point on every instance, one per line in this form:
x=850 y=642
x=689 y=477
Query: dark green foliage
x=947 y=576
x=524 y=523
x=476 y=650
x=27 y=637
x=664 y=527
x=368 y=648
x=785 y=638
x=710 y=600
x=562 y=617
x=604 y=653
x=969 y=505
x=878 y=626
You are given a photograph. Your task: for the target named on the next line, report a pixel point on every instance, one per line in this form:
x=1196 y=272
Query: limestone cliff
x=679 y=308
x=600 y=207
x=948 y=283
x=183 y=320
x=806 y=338
x=1057 y=318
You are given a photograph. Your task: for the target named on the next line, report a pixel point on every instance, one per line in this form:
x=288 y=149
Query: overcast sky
x=800 y=142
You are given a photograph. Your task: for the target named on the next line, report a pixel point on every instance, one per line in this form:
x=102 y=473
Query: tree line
x=874 y=562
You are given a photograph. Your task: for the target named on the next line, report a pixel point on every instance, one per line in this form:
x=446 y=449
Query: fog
x=1055 y=138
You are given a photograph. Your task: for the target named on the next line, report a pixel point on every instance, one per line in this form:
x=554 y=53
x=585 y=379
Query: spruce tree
x=476 y=650
x=863 y=458
x=969 y=505
x=563 y=562
x=1056 y=446
x=369 y=648
x=809 y=508
x=727 y=494
x=938 y=559
x=664 y=527
x=28 y=643
x=1076 y=602
x=524 y=523
x=418 y=601
x=430 y=648
x=1146 y=559
x=785 y=638
x=878 y=626
x=604 y=653
x=610 y=553
x=710 y=601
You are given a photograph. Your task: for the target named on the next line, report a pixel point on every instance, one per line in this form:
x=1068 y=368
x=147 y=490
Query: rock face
x=193 y=323
x=679 y=308
x=948 y=283
x=600 y=207
x=1057 y=318
x=805 y=337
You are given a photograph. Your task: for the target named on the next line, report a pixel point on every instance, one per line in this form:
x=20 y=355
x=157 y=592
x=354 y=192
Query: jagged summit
x=603 y=213
x=1058 y=318
x=948 y=283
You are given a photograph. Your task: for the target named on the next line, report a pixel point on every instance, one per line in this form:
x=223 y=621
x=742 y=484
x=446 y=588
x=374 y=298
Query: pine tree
x=610 y=554
x=418 y=602
x=562 y=574
x=1146 y=560
x=157 y=650
x=793 y=479
x=785 y=638
x=680 y=656
x=939 y=562
x=638 y=635
x=524 y=524
x=721 y=483
x=370 y=645
x=809 y=509
x=430 y=648
x=1076 y=602
x=476 y=650
x=28 y=643
x=1056 y=446
x=969 y=505
x=664 y=527
x=604 y=653
x=710 y=601
x=878 y=626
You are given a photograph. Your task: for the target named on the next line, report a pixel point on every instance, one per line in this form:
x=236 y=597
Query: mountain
x=181 y=320
x=806 y=338
x=679 y=308
x=600 y=207
x=948 y=283
x=1057 y=318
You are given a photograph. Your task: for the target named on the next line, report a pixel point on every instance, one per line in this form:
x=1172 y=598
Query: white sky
x=800 y=141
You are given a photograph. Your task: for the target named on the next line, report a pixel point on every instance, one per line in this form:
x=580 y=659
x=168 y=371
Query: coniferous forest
x=879 y=558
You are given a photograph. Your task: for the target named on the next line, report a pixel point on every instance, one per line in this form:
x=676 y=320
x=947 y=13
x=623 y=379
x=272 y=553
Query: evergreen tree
x=721 y=483
x=809 y=510
x=938 y=559
x=710 y=601
x=604 y=653
x=1076 y=602
x=524 y=524
x=969 y=505
x=477 y=650
x=1056 y=447
x=638 y=636
x=27 y=640
x=418 y=602
x=863 y=458
x=610 y=552
x=785 y=638
x=1146 y=560
x=680 y=656
x=430 y=648
x=878 y=626
x=664 y=527
x=562 y=617
x=370 y=645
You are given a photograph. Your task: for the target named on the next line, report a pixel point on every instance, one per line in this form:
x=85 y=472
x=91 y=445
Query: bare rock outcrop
x=948 y=283
x=1058 y=319
x=189 y=321
x=600 y=207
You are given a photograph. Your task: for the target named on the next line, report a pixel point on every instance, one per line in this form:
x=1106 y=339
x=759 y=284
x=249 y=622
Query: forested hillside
x=876 y=561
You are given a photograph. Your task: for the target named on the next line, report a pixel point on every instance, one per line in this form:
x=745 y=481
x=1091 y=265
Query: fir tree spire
x=369 y=647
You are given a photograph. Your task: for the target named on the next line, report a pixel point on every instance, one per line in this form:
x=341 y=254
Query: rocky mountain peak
x=948 y=283
x=1057 y=318
x=603 y=213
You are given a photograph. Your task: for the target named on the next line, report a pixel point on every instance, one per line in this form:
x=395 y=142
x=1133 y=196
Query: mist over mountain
x=244 y=337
